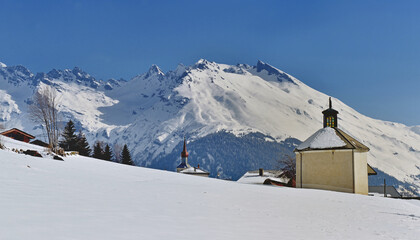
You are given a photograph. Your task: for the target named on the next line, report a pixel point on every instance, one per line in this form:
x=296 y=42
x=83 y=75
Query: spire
x=330 y=103
x=184 y=153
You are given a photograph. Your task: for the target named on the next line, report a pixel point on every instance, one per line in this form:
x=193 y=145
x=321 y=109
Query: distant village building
x=388 y=191
x=267 y=177
x=195 y=171
x=331 y=159
x=39 y=143
x=185 y=168
x=18 y=135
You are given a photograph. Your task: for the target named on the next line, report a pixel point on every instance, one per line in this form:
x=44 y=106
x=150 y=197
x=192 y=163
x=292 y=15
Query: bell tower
x=184 y=158
x=330 y=117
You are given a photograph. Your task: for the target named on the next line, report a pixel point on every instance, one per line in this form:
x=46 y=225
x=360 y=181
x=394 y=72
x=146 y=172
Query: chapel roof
x=331 y=138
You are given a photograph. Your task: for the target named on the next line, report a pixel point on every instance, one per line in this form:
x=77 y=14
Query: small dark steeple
x=330 y=117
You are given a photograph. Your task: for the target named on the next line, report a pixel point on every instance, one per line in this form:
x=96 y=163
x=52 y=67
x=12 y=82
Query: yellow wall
x=360 y=173
x=298 y=161
x=329 y=170
x=336 y=170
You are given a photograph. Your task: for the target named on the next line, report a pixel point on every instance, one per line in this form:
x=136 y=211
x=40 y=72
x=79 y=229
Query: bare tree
x=44 y=111
x=117 y=152
x=288 y=165
x=1 y=137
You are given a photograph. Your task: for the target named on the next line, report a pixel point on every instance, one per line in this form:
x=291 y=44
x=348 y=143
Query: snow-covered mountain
x=236 y=118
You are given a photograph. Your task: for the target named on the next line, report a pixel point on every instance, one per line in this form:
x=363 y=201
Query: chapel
x=332 y=159
x=186 y=168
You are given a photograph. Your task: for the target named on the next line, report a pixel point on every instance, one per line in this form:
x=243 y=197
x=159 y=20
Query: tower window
x=330 y=122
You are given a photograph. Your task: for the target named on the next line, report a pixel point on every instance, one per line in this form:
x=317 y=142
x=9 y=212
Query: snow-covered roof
x=331 y=138
x=253 y=177
x=183 y=165
x=323 y=138
x=193 y=170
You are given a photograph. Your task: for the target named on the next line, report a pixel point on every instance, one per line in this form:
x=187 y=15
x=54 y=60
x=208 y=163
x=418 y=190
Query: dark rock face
x=16 y=75
x=281 y=76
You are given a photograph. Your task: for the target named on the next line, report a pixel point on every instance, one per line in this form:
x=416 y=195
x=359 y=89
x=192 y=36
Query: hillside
x=85 y=198
x=154 y=111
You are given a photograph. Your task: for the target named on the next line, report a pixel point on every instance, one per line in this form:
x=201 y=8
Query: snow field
x=86 y=198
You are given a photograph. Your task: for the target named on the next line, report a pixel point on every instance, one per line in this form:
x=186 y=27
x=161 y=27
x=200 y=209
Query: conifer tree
x=126 y=157
x=69 y=142
x=107 y=153
x=97 y=151
x=82 y=145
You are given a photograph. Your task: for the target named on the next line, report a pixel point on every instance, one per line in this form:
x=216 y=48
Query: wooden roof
x=371 y=171
x=352 y=143
x=19 y=131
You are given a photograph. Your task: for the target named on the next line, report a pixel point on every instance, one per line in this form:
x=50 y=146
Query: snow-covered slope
x=155 y=110
x=85 y=198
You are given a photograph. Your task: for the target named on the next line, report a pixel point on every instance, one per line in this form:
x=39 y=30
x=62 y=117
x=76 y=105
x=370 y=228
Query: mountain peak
x=2 y=65
x=20 y=69
x=202 y=61
x=154 y=70
x=77 y=69
x=264 y=68
x=78 y=72
x=203 y=64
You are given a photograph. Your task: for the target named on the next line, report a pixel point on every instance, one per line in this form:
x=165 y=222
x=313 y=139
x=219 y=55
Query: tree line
x=72 y=142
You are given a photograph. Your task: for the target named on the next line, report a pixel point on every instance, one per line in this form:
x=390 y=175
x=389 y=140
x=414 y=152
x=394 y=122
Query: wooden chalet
x=18 y=135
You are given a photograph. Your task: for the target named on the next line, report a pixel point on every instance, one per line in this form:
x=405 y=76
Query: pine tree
x=69 y=142
x=126 y=158
x=82 y=145
x=107 y=153
x=97 y=151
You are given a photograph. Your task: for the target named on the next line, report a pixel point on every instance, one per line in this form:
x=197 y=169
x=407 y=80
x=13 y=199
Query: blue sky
x=366 y=53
